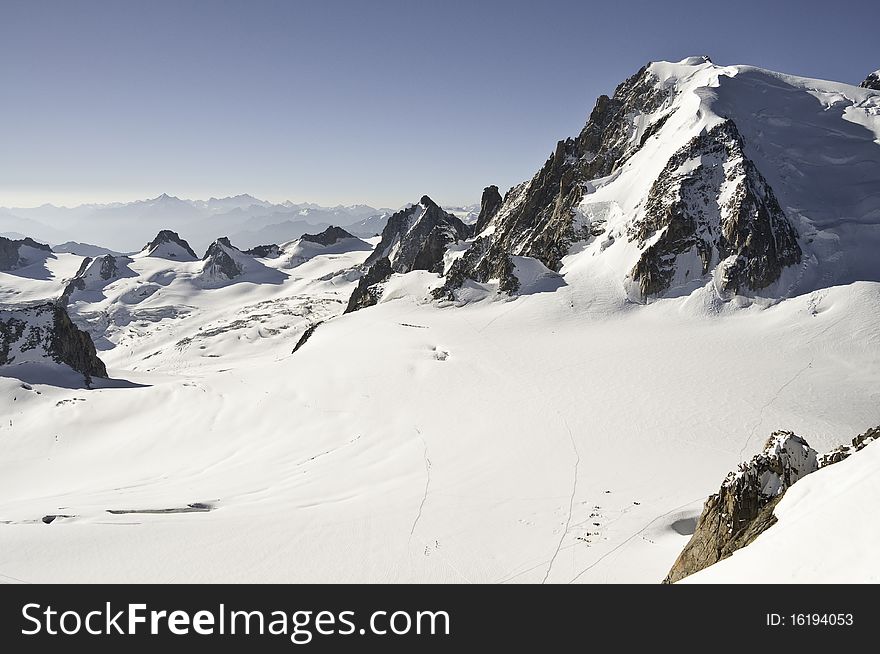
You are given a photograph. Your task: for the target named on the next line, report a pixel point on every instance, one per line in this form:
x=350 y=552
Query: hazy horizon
x=348 y=103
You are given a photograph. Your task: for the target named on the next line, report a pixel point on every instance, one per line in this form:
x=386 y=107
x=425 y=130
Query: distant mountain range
x=247 y=220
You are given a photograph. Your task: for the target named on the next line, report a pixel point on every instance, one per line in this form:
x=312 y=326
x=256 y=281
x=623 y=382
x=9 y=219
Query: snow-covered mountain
x=547 y=391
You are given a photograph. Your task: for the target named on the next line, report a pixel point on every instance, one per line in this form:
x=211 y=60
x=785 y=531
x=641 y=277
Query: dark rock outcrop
x=328 y=237
x=839 y=454
x=368 y=289
x=537 y=218
x=490 y=203
x=10 y=251
x=872 y=81
x=46 y=329
x=748 y=231
x=219 y=262
x=265 y=251
x=743 y=507
x=307 y=334
x=166 y=236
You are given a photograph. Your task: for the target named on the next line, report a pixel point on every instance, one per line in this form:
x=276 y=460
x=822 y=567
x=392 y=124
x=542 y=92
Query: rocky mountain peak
x=414 y=238
x=220 y=260
x=872 y=81
x=328 y=237
x=168 y=244
x=537 y=218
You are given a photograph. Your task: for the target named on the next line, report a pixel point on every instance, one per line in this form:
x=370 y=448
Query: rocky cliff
x=537 y=218
x=44 y=331
x=13 y=253
x=743 y=507
x=711 y=201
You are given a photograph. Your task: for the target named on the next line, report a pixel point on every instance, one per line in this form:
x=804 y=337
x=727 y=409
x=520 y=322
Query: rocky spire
x=490 y=203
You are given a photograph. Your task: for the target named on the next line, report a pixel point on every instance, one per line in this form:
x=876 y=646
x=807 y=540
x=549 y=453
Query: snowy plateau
x=544 y=388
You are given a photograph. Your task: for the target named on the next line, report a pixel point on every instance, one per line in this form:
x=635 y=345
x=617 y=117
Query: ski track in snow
x=427 y=485
x=767 y=405
x=629 y=538
x=577 y=462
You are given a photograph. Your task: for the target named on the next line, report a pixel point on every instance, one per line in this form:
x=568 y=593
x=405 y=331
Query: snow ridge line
x=577 y=462
x=427 y=485
x=767 y=405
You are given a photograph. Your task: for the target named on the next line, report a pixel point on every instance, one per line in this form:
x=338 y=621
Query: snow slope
x=409 y=442
x=564 y=435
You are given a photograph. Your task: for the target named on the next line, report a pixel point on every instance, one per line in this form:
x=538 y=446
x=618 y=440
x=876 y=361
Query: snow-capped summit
x=222 y=260
x=732 y=179
x=169 y=245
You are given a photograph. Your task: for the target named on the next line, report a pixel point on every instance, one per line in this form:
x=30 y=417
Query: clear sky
x=331 y=101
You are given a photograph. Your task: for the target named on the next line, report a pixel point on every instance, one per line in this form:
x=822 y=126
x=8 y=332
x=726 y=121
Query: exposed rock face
x=45 y=331
x=711 y=205
x=368 y=289
x=841 y=453
x=10 y=252
x=265 y=251
x=743 y=508
x=100 y=269
x=219 y=262
x=872 y=81
x=328 y=237
x=307 y=334
x=416 y=238
x=167 y=237
x=490 y=203
x=537 y=218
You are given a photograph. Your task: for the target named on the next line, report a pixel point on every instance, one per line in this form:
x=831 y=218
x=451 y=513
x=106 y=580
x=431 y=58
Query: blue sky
x=343 y=102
